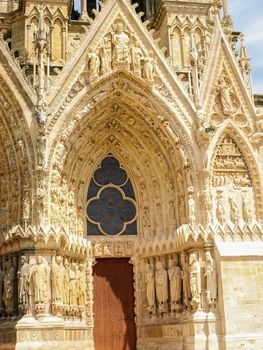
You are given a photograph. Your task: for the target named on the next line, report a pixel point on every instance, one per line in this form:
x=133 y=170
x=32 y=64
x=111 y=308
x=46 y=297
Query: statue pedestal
x=48 y=333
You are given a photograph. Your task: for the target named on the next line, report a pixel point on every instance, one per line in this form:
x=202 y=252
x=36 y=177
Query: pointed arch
x=246 y=149
x=177 y=46
x=126 y=124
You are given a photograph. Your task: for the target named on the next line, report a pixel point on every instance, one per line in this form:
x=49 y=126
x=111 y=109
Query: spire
x=41 y=48
x=225 y=8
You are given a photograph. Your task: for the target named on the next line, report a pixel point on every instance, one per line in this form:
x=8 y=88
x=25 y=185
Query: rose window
x=111 y=207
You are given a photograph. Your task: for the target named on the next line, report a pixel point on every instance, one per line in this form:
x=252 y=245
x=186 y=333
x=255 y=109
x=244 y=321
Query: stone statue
x=234 y=211
x=57 y=278
x=8 y=293
x=191 y=206
x=220 y=210
x=105 y=55
x=195 y=279
x=73 y=284
x=185 y=279
x=150 y=290
x=66 y=283
x=121 y=42
x=40 y=275
x=93 y=66
x=225 y=98
x=82 y=285
x=247 y=210
x=174 y=273
x=161 y=286
x=149 y=67
x=137 y=57
x=211 y=279
x=23 y=284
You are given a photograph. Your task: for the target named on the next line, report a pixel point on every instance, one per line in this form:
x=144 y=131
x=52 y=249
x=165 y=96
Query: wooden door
x=114 y=327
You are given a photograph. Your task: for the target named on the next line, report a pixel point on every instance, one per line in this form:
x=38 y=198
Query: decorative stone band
x=187 y=236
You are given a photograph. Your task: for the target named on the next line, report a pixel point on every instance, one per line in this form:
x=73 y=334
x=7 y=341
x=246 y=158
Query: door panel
x=114 y=327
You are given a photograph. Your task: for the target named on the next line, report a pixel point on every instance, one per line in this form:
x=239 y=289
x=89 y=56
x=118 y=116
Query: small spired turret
x=41 y=65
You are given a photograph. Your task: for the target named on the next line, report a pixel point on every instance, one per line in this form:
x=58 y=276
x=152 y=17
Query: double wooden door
x=114 y=327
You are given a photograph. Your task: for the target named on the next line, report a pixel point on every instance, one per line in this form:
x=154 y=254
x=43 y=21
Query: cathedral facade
x=131 y=151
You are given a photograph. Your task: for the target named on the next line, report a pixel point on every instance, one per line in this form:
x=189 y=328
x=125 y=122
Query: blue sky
x=247 y=16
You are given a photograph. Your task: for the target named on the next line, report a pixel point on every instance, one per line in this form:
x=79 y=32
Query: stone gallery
x=131 y=148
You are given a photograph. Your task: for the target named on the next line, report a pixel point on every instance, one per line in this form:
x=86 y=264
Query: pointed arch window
x=111 y=206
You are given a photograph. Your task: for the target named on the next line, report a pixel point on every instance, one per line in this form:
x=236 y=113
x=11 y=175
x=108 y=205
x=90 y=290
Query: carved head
x=159 y=266
x=192 y=258
x=58 y=259
x=119 y=27
x=66 y=263
x=208 y=257
x=39 y=259
x=23 y=260
x=170 y=262
x=81 y=267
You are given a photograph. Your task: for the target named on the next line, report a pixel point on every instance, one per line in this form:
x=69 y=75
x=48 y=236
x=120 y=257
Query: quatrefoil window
x=111 y=207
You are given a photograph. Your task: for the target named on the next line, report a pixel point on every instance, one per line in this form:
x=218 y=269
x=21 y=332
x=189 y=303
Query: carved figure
x=220 y=210
x=185 y=279
x=174 y=273
x=211 y=279
x=234 y=211
x=93 y=66
x=137 y=57
x=121 y=43
x=97 y=248
x=149 y=67
x=191 y=206
x=8 y=293
x=82 y=285
x=57 y=278
x=195 y=279
x=40 y=273
x=225 y=98
x=161 y=286
x=105 y=55
x=23 y=284
x=73 y=284
x=150 y=289
x=247 y=210
x=66 y=283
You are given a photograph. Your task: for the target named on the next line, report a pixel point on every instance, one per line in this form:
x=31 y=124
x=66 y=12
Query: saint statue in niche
x=40 y=273
x=161 y=285
x=174 y=273
x=150 y=291
x=195 y=279
x=224 y=95
x=211 y=279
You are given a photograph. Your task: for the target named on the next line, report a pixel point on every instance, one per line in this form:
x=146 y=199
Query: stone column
x=84 y=12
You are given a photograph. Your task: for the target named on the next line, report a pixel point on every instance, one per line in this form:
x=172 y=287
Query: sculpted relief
x=232 y=190
x=119 y=50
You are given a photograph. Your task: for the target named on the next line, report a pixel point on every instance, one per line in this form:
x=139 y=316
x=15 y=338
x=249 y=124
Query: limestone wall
x=241 y=295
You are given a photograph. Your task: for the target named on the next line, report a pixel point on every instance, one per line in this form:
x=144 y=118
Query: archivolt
x=144 y=144
x=17 y=158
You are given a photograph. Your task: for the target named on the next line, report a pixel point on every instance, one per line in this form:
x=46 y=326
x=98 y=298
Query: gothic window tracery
x=111 y=207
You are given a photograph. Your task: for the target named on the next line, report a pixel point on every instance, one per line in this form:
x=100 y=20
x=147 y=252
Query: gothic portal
x=131 y=178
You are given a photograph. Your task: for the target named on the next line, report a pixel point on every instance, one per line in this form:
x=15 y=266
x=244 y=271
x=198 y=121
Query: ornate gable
x=117 y=40
x=224 y=95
